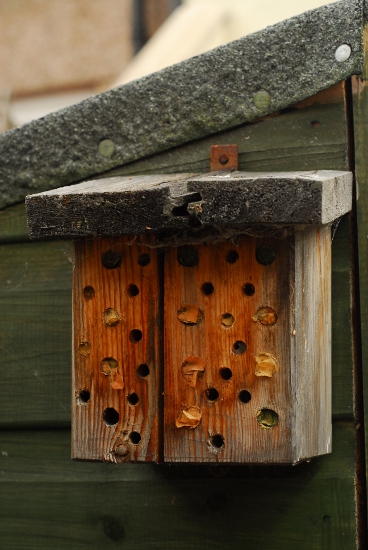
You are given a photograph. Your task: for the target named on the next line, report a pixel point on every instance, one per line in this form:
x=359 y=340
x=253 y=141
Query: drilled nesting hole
x=135 y=437
x=133 y=399
x=232 y=257
x=227 y=320
x=207 y=289
x=217 y=441
x=188 y=256
x=135 y=335
x=249 y=289
x=88 y=293
x=267 y=418
x=144 y=259
x=265 y=255
x=226 y=373
x=84 y=396
x=132 y=290
x=244 y=396
x=212 y=394
x=239 y=347
x=111 y=259
x=110 y=416
x=143 y=370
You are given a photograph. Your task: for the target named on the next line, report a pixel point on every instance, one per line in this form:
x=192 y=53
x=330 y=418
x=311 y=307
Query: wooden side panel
x=242 y=344
x=311 y=377
x=116 y=351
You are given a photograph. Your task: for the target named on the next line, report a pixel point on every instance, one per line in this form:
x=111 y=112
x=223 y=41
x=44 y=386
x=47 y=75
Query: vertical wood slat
x=244 y=440
x=97 y=397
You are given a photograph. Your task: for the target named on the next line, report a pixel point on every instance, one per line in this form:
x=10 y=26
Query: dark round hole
x=232 y=257
x=143 y=370
x=223 y=159
x=265 y=255
x=144 y=259
x=110 y=416
x=188 y=256
x=315 y=123
x=88 y=292
x=111 y=259
x=226 y=373
x=84 y=396
x=135 y=437
x=212 y=394
x=327 y=519
x=132 y=290
x=239 y=347
x=135 y=335
x=244 y=396
x=133 y=399
x=207 y=289
x=217 y=441
x=249 y=289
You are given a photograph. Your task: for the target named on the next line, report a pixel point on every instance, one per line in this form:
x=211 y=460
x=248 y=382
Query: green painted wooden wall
x=48 y=501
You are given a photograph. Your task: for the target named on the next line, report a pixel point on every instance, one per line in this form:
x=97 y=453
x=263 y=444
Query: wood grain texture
x=116 y=329
x=311 y=375
x=296 y=289
x=50 y=501
x=150 y=204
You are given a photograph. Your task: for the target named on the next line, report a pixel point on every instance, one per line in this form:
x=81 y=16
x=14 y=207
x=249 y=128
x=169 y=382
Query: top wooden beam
x=230 y=85
x=182 y=202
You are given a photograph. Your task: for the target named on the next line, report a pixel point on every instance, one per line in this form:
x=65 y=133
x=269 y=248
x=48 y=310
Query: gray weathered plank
x=239 y=82
x=148 y=204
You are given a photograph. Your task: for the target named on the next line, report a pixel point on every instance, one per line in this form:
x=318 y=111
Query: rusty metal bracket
x=224 y=157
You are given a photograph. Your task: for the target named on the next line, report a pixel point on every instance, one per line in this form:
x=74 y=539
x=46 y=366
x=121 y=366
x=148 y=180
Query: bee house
x=201 y=311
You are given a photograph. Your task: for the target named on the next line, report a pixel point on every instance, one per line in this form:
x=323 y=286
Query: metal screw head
x=106 y=147
x=261 y=100
x=342 y=53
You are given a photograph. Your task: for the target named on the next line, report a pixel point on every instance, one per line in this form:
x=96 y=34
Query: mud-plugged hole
x=226 y=373
x=212 y=394
x=143 y=370
x=239 y=347
x=143 y=260
x=111 y=317
x=265 y=255
x=135 y=437
x=207 y=289
x=135 y=335
x=110 y=416
x=249 y=289
x=267 y=418
x=227 y=320
x=232 y=257
x=88 y=293
x=84 y=396
x=133 y=399
x=132 y=290
x=188 y=256
x=217 y=441
x=244 y=396
x=84 y=348
x=111 y=259
x=315 y=124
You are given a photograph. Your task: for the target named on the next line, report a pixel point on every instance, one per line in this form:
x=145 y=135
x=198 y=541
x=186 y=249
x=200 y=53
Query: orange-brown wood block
x=116 y=351
x=228 y=328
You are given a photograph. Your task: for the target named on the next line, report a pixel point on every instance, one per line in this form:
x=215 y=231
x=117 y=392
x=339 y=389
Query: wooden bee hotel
x=205 y=223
